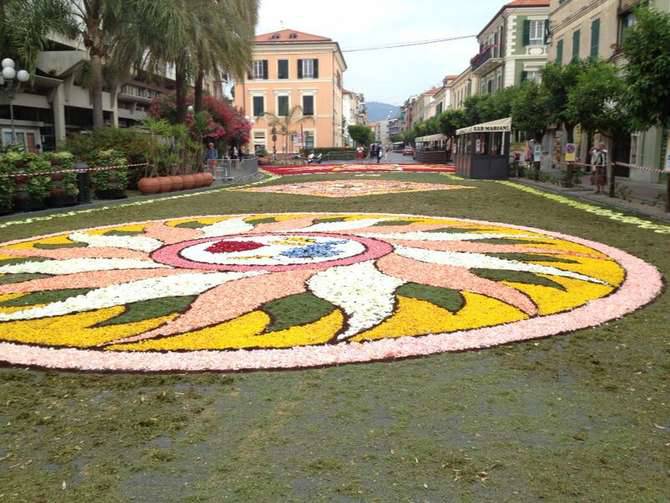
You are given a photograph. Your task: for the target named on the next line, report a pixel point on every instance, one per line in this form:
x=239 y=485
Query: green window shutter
x=282 y=105
x=576 y=36
x=265 y=70
x=300 y=68
x=526 y=32
x=595 y=38
x=259 y=106
x=559 y=52
x=316 y=68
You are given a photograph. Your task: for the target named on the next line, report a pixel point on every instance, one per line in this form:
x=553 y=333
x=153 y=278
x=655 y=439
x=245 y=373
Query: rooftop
x=290 y=36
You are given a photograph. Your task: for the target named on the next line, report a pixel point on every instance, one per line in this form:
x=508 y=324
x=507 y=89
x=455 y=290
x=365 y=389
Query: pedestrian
x=380 y=153
x=211 y=157
x=599 y=175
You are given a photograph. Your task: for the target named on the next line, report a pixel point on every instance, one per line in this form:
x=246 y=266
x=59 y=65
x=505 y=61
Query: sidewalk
x=643 y=196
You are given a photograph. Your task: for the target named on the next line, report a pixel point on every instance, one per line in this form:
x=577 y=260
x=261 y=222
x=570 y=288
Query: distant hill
x=380 y=111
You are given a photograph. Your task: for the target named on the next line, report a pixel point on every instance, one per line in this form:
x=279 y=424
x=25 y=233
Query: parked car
x=408 y=151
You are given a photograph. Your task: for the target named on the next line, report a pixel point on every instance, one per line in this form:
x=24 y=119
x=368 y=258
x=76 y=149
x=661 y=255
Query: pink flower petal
x=171 y=235
x=228 y=301
x=455 y=278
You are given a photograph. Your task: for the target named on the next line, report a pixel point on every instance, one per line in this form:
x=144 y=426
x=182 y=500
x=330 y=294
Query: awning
x=432 y=137
x=499 y=126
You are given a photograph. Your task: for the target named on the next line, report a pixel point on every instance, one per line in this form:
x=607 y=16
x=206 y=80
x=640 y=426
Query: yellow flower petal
x=417 y=317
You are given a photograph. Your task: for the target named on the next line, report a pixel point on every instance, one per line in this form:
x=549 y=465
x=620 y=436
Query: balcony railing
x=485 y=54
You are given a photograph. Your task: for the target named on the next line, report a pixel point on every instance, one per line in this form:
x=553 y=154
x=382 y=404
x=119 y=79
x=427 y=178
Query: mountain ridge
x=378 y=111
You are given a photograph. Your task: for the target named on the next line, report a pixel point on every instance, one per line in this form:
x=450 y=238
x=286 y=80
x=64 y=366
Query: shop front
x=483 y=151
x=432 y=149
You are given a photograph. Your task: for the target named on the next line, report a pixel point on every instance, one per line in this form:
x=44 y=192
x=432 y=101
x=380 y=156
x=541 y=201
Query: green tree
x=362 y=135
x=451 y=121
x=25 y=25
x=647 y=51
x=597 y=101
x=558 y=80
x=530 y=110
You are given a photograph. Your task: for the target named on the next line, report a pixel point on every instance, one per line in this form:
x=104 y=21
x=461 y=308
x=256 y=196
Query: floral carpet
x=283 y=290
x=353 y=188
x=360 y=168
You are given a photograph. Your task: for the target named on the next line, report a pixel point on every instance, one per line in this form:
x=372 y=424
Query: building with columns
x=289 y=69
x=56 y=102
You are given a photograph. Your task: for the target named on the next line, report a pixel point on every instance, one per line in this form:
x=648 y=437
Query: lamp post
x=10 y=80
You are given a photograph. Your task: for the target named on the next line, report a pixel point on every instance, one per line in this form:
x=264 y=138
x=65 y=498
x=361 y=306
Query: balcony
x=488 y=59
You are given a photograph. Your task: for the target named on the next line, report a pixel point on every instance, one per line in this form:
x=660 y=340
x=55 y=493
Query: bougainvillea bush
x=223 y=122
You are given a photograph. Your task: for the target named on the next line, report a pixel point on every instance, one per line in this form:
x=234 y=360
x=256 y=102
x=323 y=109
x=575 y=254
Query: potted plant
x=7 y=185
x=110 y=183
x=63 y=189
x=39 y=170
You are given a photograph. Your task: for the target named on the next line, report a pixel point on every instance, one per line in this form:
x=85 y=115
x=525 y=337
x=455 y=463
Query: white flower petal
x=481 y=261
x=227 y=228
x=364 y=293
x=73 y=266
x=139 y=243
x=136 y=291
x=342 y=226
x=441 y=236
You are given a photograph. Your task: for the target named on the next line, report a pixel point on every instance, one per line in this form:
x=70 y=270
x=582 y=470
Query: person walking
x=211 y=157
x=599 y=175
x=380 y=153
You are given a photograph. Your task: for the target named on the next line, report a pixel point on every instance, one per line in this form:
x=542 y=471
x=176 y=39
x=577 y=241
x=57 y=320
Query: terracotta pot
x=189 y=182
x=201 y=179
x=177 y=182
x=209 y=179
x=149 y=185
x=165 y=184
x=21 y=179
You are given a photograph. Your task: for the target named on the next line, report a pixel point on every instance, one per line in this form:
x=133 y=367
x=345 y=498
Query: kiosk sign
x=570 y=152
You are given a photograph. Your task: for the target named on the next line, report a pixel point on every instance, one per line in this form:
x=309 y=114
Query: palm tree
x=284 y=124
x=222 y=41
x=25 y=25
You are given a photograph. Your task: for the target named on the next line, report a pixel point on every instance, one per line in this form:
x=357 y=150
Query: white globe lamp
x=8 y=72
x=8 y=63
x=23 y=76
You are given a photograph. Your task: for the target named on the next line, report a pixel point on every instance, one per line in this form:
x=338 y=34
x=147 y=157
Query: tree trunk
x=199 y=85
x=180 y=81
x=96 y=89
x=667 y=195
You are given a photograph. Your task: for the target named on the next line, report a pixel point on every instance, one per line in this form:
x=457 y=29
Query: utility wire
x=410 y=44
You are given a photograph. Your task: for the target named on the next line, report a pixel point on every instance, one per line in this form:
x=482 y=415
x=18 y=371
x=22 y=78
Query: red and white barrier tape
x=75 y=170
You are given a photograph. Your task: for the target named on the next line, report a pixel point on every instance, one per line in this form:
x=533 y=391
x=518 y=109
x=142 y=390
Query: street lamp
x=10 y=80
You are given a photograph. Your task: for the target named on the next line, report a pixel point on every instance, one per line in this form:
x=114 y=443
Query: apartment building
x=56 y=101
x=512 y=46
x=582 y=29
x=292 y=68
x=354 y=112
x=443 y=97
x=462 y=87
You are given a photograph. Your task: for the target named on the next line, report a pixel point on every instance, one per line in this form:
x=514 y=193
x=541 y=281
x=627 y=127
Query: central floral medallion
x=272 y=252
x=297 y=290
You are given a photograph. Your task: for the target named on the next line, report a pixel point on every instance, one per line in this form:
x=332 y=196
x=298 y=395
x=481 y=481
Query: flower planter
x=165 y=184
x=201 y=180
x=149 y=185
x=177 y=182
x=209 y=179
x=189 y=181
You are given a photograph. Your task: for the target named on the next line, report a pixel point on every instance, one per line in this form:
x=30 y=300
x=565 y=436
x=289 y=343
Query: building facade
x=56 y=101
x=354 y=112
x=290 y=69
x=583 y=29
x=463 y=86
x=512 y=46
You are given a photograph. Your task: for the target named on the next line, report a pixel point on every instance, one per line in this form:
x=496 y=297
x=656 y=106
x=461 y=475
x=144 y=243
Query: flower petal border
x=642 y=285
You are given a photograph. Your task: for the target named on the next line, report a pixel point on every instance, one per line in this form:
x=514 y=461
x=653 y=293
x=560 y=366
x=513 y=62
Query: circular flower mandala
x=298 y=290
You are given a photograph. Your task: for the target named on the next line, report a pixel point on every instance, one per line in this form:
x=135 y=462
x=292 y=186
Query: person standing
x=599 y=175
x=380 y=153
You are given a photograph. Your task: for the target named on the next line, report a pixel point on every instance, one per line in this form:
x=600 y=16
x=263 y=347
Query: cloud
x=390 y=75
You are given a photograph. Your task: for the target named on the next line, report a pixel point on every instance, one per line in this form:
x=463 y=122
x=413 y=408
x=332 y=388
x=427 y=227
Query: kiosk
x=482 y=151
x=433 y=149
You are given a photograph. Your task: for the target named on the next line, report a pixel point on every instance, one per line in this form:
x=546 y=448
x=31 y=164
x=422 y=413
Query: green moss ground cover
x=583 y=417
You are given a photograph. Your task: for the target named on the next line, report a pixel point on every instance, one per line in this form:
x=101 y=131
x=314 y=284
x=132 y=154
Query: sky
x=388 y=76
